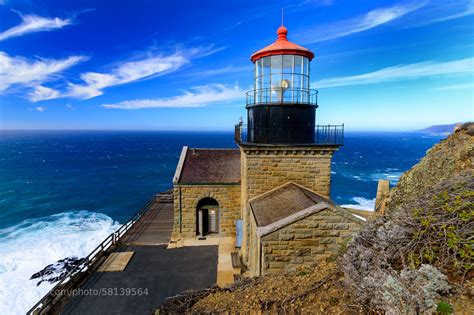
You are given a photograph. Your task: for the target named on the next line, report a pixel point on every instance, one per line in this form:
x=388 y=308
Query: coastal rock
x=450 y=157
x=54 y=272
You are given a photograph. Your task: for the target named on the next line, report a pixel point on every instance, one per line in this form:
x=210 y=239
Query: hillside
x=446 y=159
x=417 y=258
x=440 y=129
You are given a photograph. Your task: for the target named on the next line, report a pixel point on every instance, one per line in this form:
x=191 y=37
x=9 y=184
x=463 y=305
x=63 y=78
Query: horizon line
x=201 y=130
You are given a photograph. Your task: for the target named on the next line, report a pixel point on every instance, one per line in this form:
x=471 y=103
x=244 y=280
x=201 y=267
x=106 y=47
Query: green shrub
x=444 y=308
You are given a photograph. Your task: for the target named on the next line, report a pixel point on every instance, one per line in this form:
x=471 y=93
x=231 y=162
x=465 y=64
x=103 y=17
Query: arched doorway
x=207 y=217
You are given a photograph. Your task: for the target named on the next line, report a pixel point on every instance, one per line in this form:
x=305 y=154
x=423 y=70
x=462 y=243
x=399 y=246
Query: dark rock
x=56 y=271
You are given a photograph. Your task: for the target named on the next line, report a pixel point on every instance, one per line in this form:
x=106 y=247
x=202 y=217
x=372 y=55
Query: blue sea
x=62 y=192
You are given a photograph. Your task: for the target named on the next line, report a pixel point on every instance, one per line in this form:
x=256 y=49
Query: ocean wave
x=361 y=204
x=29 y=246
x=391 y=174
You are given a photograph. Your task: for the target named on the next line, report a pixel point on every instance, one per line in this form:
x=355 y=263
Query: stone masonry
x=303 y=242
x=266 y=167
x=228 y=197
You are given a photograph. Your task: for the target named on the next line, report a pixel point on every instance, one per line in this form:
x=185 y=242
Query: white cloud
x=358 y=24
x=95 y=82
x=462 y=86
x=23 y=71
x=145 y=68
x=42 y=93
x=196 y=97
x=401 y=72
x=33 y=23
x=219 y=71
x=38 y=109
x=441 y=11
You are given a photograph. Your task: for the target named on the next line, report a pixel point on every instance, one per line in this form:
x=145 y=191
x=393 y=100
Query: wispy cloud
x=23 y=71
x=462 y=86
x=220 y=71
x=42 y=93
x=33 y=23
x=95 y=82
x=149 y=66
x=358 y=24
x=37 y=109
x=401 y=72
x=440 y=11
x=196 y=97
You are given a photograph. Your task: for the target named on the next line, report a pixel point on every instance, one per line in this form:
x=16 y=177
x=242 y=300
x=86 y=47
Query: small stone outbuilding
x=206 y=179
x=292 y=225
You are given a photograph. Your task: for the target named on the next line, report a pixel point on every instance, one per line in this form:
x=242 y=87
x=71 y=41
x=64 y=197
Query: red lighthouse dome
x=282 y=46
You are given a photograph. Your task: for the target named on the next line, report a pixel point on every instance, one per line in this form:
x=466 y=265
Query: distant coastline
x=440 y=129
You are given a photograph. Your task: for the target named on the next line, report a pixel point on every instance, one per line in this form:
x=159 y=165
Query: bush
x=396 y=262
x=444 y=308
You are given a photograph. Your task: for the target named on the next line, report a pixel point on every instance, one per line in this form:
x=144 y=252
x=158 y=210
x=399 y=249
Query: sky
x=185 y=65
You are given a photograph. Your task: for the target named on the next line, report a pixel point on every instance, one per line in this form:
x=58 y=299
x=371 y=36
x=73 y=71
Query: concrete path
x=158 y=271
x=225 y=269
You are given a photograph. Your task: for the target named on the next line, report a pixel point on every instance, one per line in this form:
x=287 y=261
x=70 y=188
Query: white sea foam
x=391 y=174
x=361 y=204
x=31 y=245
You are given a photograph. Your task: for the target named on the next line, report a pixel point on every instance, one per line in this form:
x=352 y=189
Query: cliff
x=446 y=159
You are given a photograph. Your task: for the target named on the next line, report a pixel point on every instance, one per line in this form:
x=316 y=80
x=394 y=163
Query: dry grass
x=316 y=289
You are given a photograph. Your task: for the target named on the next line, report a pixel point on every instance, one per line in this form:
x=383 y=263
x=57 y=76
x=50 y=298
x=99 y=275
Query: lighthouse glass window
x=282 y=79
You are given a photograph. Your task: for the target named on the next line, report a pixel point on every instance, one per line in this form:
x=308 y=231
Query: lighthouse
x=271 y=195
x=281 y=141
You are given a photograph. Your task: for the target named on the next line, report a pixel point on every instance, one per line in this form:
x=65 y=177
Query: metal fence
x=281 y=96
x=46 y=304
x=321 y=135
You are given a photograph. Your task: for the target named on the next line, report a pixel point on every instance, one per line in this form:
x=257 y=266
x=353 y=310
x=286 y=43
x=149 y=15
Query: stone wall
x=305 y=241
x=264 y=168
x=228 y=197
x=253 y=248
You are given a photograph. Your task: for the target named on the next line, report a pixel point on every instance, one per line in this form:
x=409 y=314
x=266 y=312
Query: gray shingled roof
x=211 y=166
x=282 y=202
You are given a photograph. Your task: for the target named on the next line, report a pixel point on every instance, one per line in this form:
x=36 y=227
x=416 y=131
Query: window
x=277 y=62
x=298 y=64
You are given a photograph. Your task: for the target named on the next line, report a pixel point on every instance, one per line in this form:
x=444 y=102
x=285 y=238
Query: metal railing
x=72 y=277
x=321 y=135
x=282 y=96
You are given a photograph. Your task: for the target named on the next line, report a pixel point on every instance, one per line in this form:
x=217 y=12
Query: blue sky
x=184 y=65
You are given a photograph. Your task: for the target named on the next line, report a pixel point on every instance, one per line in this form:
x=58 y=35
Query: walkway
x=158 y=271
x=153 y=228
x=152 y=274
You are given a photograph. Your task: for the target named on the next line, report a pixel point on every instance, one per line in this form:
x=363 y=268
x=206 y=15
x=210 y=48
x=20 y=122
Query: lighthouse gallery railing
x=323 y=135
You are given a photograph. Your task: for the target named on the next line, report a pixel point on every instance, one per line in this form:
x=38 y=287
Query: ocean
x=63 y=192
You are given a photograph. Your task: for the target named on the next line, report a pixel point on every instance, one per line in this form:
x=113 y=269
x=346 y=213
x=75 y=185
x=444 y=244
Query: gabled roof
x=289 y=203
x=208 y=166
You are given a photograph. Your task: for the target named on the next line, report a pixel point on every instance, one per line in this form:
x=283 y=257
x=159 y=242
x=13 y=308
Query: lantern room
x=282 y=73
x=281 y=108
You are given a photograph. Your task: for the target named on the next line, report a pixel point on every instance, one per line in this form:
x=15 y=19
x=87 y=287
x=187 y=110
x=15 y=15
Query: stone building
x=272 y=193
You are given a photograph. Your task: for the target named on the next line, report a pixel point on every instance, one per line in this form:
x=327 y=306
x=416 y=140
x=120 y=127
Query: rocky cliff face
x=450 y=157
